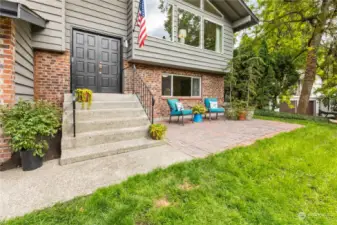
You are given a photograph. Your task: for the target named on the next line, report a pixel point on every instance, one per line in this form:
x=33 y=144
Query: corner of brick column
x=51 y=75
x=7 y=75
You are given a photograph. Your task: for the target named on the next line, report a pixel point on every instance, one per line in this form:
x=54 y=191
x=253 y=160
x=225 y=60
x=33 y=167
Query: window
x=159 y=19
x=188 y=28
x=208 y=7
x=212 y=36
x=174 y=85
x=196 y=3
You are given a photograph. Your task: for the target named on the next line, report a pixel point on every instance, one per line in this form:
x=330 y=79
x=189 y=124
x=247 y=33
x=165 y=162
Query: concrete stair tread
x=113 y=101
x=96 y=151
x=105 y=97
x=111 y=120
x=116 y=104
x=107 y=110
x=107 y=132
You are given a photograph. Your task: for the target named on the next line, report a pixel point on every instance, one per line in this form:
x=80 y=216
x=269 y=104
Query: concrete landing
x=53 y=183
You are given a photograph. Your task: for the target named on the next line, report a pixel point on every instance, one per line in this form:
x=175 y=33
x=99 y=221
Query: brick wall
x=212 y=85
x=51 y=75
x=7 y=72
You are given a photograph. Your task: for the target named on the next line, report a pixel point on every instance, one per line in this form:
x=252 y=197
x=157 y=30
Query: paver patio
x=22 y=192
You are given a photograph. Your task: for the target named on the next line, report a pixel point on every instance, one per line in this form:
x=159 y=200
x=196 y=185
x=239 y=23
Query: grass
x=287 y=179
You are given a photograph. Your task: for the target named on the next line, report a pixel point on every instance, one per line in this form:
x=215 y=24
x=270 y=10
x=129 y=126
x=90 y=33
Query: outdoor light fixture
x=126 y=43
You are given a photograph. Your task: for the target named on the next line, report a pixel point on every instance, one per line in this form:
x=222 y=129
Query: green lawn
x=288 y=179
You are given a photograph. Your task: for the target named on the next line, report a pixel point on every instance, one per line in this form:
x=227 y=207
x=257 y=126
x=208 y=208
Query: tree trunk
x=309 y=79
x=311 y=62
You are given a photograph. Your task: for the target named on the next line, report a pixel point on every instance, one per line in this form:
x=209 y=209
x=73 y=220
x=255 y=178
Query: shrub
x=199 y=109
x=157 y=131
x=27 y=123
x=289 y=115
x=230 y=113
x=84 y=95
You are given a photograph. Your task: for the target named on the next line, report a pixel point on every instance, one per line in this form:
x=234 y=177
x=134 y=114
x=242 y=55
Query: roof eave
x=247 y=21
x=19 y=11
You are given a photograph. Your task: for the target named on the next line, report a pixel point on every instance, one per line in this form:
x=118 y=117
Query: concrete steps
x=97 y=114
x=106 y=97
x=104 y=105
x=91 y=138
x=105 y=124
x=114 y=124
x=86 y=153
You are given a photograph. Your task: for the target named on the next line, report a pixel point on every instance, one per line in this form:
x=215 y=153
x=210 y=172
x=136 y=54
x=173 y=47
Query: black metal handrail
x=74 y=112
x=145 y=96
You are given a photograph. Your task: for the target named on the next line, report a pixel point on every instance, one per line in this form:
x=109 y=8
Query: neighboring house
x=314 y=102
x=51 y=47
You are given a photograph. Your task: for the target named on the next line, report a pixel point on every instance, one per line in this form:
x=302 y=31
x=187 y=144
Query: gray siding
x=174 y=54
x=24 y=62
x=117 y=18
x=107 y=17
x=53 y=36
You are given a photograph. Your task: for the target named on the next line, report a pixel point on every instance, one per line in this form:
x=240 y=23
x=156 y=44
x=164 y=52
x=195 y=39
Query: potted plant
x=157 y=131
x=198 y=110
x=241 y=114
x=250 y=112
x=230 y=112
x=84 y=95
x=27 y=123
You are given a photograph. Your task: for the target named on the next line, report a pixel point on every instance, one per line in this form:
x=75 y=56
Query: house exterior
x=51 y=47
x=314 y=102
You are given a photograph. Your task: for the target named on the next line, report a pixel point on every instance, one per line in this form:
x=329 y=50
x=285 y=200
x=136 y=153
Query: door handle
x=100 y=67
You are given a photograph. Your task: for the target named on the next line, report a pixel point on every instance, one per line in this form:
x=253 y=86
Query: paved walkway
x=22 y=192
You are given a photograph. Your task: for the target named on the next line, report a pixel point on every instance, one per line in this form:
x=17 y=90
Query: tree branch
x=299 y=54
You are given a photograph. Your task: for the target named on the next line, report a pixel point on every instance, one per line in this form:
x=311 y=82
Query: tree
x=261 y=77
x=267 y=88
x=296 y=28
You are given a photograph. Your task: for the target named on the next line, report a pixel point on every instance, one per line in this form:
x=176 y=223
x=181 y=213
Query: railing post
x=74 y=112
x=133 y=74
x=153 y=101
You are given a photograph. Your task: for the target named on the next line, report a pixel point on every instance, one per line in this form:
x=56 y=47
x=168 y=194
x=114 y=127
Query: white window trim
x=222 y=16
x=175 y=75
x=200 y=32
x=202 y=8
x=172 y=40
x=222 y=35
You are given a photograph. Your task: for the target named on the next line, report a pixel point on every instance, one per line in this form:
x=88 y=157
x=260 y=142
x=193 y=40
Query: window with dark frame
x=182 y=86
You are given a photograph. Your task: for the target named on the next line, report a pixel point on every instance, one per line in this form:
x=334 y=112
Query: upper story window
x=209 y=7
x=188 y=28
x=196 y=3
x=212 y=36
x=159 y=19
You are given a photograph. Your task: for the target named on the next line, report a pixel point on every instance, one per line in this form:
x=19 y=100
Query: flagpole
x=134 y=27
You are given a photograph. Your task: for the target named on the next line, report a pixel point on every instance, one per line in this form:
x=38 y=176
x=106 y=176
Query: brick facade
x=7 y=75
x=51 y=75
x=212 y=85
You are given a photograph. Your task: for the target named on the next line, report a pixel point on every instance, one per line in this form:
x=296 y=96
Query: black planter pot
x=29 y=161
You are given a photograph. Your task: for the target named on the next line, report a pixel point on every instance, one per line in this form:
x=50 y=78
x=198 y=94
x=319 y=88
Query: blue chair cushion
x=183 y=112
x=217 y=110
x=208 y=100
x=172 y=104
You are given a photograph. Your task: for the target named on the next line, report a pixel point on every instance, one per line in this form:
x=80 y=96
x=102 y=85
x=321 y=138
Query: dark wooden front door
x=96 y=62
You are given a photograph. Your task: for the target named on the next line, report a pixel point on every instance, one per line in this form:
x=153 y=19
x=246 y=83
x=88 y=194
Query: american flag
x=141 y=22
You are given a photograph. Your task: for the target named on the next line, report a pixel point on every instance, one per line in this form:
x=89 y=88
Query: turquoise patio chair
x=174 y=111
x=218 y=110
